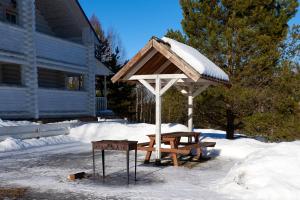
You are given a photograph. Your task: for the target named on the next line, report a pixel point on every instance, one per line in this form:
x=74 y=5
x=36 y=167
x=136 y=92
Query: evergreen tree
x=244 y=38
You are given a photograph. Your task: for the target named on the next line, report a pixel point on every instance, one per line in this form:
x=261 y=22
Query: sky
x=136 y=21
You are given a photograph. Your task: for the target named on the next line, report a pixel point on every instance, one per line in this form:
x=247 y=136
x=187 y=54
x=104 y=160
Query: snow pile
x=198 y=61
x=237 y=149
x=11 y=144
x=4 y=123
x=270 y=173
x=118 y=131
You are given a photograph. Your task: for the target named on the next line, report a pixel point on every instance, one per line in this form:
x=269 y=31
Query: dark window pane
x=10 y=74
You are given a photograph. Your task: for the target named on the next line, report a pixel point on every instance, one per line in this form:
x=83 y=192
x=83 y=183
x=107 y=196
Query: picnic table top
x=176 y=134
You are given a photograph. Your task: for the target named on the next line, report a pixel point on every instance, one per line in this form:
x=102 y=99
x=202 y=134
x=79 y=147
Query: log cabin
x=47 y=60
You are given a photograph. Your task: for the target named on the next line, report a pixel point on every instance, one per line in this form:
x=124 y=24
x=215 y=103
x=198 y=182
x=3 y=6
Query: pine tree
x=244 y=38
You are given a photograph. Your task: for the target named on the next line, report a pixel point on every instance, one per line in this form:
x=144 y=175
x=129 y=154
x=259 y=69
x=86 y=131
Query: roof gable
x=161 y=57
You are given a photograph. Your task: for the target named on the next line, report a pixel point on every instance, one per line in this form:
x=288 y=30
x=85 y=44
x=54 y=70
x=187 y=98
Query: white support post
x=190 y=108
x=157 y=118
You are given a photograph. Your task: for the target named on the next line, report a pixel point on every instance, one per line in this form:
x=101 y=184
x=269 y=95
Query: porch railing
x=101 y=103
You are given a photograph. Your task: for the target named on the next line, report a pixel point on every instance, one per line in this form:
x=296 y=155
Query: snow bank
x=271 y=173
x=4 y=123
x=118 y=131
x=238 y=148
x=11 y=144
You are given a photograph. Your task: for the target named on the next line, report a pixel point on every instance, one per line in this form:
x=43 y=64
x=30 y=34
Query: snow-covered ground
x=239 y=169
x=6 y=123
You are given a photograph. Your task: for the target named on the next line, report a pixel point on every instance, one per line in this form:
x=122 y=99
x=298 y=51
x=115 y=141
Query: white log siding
x=62 y=40
x=57 y=49
x=12 y=101
x=14 y=37
x=62 y=102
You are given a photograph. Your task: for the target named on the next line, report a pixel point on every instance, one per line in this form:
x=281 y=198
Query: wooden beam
x=154 y=76
x=147 y=85
x=163 y=67
x=168 y=85
x=176 y=60
x=134 y=60
x=140 y=64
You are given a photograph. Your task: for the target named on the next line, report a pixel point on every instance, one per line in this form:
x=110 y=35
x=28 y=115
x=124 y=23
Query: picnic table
x=176 y=146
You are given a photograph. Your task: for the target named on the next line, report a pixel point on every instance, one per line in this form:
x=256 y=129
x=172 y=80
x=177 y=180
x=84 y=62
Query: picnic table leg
x=198 y=154
x=127 y=157
x=93 y=163
x=148 y=155
x=196 y=137
x=174 y=155
x=135 y=160
x=103 y=165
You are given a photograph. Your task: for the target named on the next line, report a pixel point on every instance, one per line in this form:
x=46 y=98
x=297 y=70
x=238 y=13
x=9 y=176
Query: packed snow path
x=44 y=170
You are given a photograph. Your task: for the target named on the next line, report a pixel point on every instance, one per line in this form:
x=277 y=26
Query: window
x=48 y=78
x=74 y=82
x=10 y=74
x=11 y=12
x=11 y=16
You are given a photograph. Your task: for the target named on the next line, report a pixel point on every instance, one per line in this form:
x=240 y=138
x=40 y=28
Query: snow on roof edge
x=195 y=59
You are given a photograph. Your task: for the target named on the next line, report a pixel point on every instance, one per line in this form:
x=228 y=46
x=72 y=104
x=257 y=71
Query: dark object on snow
x=79 y=175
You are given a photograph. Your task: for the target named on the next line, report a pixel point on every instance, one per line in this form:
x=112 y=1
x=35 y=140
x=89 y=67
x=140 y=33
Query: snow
x=198 y=61
x=270 y=173
x=5 y=123
x=119 y=131
x=243 y=168
x=12 y=144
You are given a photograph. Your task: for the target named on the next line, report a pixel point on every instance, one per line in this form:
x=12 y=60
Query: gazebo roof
x=196 y=60
x=167 y=56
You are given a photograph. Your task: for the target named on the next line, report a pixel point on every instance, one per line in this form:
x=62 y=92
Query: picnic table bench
x=176 y=146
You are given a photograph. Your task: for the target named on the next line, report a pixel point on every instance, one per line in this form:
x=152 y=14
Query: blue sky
x=137 y=20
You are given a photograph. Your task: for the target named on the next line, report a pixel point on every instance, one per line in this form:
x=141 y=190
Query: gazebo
x=163 y=63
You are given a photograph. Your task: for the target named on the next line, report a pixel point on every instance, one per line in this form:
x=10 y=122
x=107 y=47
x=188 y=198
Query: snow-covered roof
x=167 y=56
x=196 y=60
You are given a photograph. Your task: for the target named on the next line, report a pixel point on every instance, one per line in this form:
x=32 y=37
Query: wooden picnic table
x=120 y=145
x=177 y=147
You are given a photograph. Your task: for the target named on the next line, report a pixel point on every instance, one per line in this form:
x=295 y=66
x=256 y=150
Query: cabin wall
x=14 y=37
x=31 y=44
x=57 y=49
x=62 y=102
x=12 y=102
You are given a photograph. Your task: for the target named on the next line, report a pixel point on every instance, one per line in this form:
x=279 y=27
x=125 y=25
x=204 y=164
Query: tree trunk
x=230 y=125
